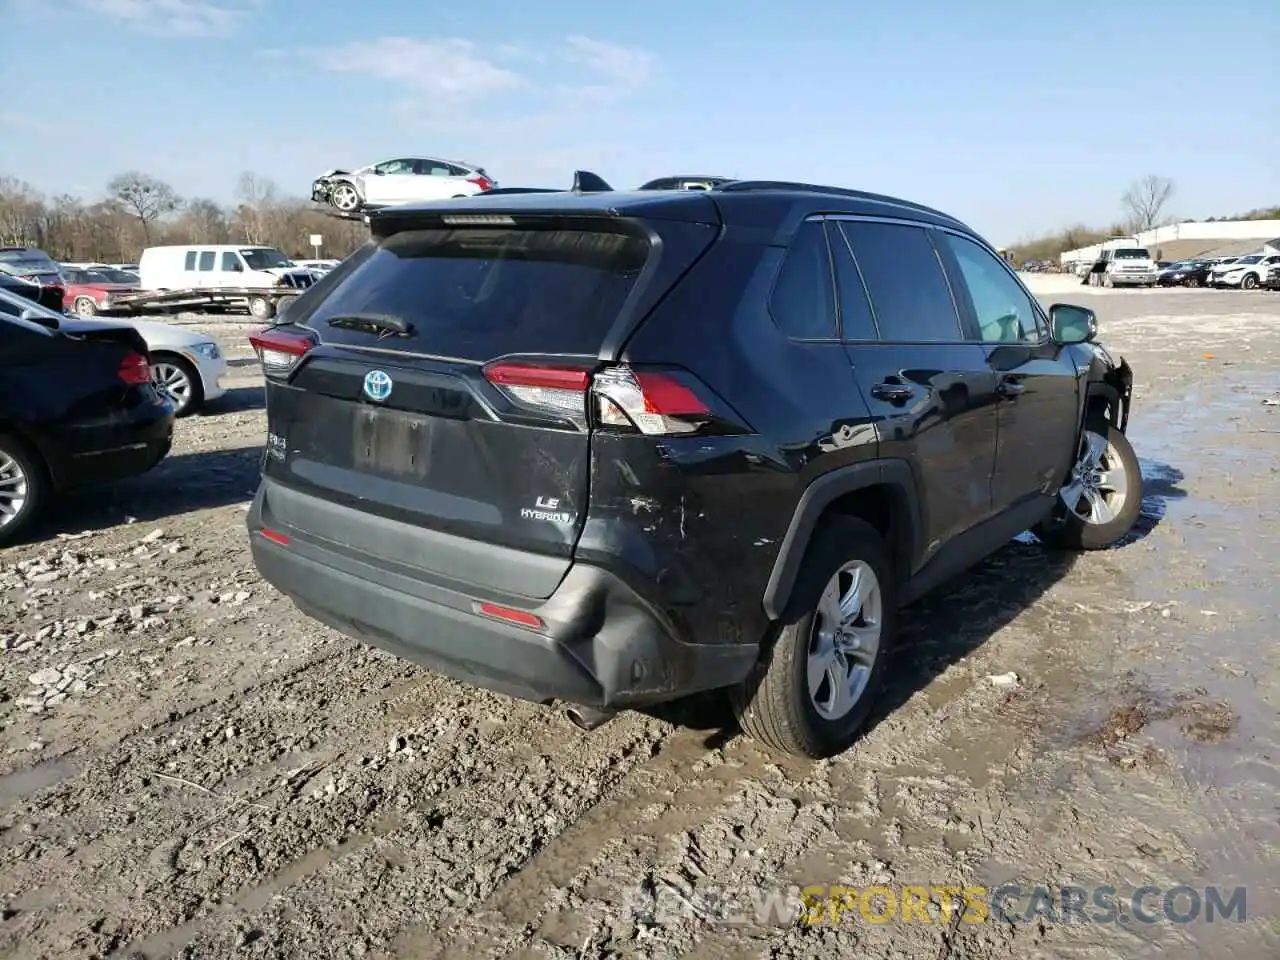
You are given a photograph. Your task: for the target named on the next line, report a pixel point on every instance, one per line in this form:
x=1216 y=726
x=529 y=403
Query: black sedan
x=77 y=407
x=1185 y=273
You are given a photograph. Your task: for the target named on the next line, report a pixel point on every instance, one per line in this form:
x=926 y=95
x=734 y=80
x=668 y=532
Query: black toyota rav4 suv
x=611 y=448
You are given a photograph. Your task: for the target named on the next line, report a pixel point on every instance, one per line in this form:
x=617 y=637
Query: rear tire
x=260 y=308
x=1092 y=513
x=782 y=702
x=24 y=487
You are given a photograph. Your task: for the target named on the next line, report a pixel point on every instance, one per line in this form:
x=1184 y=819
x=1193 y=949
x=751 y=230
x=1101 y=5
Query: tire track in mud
x=473 y=816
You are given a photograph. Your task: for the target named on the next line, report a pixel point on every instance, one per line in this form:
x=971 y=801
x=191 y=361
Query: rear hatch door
x=441 y=415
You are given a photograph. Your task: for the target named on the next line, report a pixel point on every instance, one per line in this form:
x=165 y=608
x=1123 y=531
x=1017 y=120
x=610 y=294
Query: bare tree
x=1145 y=200
x=143 y=197
x=71 y=228
x=256 y=198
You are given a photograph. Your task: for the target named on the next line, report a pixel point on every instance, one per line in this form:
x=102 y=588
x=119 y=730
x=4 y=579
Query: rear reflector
x=274 y=536
x=279 y=351
x=521 y=618
x=134 y=369
x=550 y=389
x=654 y=403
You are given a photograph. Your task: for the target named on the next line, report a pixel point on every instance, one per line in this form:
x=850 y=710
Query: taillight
x=652 y=402
x=548 y=388
x=484 y=183
x=134 y=369
x=279 y=351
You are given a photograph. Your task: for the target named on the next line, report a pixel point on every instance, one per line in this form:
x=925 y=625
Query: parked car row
x=1247 y=272
x=185 y=365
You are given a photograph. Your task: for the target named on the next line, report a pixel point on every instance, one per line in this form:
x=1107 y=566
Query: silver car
x=402 y=180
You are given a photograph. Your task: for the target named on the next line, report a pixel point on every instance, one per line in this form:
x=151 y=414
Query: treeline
x=138 y=211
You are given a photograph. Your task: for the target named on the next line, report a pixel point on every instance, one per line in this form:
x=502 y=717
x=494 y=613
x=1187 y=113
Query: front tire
x=1250 y=282
x=344 y=198
x=1101 y=500
x=84 y=307
x=24 y=487
x=812 y=690
x=180 y=381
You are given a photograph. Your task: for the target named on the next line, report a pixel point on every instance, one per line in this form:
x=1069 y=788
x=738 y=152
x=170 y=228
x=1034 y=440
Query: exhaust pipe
x=588 y=718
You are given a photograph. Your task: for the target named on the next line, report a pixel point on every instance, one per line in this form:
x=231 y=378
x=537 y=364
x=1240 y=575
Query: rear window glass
x=480 y=292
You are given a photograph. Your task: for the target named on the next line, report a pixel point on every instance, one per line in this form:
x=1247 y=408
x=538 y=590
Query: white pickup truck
x=1122 y=263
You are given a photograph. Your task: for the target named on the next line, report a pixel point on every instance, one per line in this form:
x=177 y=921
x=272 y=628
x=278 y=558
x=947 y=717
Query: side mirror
x=1071 y=324
x=379 y=173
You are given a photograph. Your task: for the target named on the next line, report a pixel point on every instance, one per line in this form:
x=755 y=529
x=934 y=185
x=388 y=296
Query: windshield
x=116 y=276
x=1249 y=259
x=264 y=258
x=1133 y=253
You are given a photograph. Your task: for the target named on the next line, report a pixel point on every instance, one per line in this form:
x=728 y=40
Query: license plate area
x=391 y=443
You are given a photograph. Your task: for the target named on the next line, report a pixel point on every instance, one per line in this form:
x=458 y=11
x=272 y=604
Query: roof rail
x=744 y=186
x=584 y=181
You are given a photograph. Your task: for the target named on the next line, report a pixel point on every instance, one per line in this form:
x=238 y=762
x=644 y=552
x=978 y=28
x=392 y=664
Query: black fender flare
x=820 y=494
x=1116 y=388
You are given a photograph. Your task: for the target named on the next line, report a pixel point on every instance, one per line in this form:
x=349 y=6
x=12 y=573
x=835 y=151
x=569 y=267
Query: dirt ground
x=189 y=767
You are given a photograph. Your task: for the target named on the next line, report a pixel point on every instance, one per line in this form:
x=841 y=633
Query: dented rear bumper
x=593 y=642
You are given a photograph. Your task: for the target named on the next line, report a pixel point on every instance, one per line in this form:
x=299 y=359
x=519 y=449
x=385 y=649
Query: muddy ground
x=189 y=767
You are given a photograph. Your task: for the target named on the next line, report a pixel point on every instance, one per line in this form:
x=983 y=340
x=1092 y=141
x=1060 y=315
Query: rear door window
x=476 y=293
x=206 y=260
x=857 y=323
x=908 y=289
x=190 y=262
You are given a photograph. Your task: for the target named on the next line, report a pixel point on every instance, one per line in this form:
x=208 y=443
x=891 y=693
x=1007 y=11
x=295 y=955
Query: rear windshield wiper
x=379 y=323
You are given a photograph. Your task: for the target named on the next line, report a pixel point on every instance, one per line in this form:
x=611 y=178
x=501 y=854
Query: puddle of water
x=20 y=784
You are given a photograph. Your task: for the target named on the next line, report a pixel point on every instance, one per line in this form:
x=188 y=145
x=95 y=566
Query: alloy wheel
x=174 y=381
x=14 y=489
x=845 y=640
x=345 y=197
x=1099 y=485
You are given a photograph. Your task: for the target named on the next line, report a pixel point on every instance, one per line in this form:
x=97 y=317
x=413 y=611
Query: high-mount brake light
x=134 y=369
x=279 y=351
x=652 y=402
x=479 y=219
x=548 y=388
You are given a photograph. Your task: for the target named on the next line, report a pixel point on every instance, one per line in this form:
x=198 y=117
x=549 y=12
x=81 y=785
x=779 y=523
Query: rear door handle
x=892 y=392
x=1010 y=388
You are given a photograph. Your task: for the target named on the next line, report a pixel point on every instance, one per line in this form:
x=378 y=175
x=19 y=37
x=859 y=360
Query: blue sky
x=1015 y=117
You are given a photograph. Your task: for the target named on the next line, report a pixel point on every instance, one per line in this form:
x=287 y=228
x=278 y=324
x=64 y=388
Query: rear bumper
x=600 y=645
x=111 y=448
